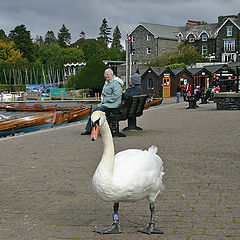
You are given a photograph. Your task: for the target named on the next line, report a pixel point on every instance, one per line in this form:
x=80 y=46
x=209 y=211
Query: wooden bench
x=192 y=100
x=130 y=110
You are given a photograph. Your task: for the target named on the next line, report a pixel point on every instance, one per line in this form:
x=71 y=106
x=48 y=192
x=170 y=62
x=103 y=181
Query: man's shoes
x=86 y=133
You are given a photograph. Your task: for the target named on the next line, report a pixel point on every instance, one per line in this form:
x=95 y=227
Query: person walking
x=178 y=93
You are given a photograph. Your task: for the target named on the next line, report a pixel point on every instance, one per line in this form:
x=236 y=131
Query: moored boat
x=43 y=120
x=26 y=124
x=35 y=108
x=79 y=114
x=153 y=102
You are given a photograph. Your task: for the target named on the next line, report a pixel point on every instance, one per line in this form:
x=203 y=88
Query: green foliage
x=64 y=37
x=105 y=32
x=7 y=52
x=13 y=88
x=92 y=75
x=2 y=34
x=91 y=46
x=116 y=39
x=177 y=65
x=115 y=54
x=184 y=55
x=23 y=41
x=50 y=38
x=55 y=56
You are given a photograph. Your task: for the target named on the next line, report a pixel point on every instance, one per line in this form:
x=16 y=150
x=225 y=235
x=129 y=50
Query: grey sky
x=87 y=15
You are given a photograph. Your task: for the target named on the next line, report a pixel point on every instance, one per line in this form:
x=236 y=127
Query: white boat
x=9 y=97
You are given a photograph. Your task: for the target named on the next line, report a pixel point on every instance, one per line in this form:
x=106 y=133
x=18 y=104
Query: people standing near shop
x=111 y=96
x=135 y=86
x=184 y=92
x=178 y=93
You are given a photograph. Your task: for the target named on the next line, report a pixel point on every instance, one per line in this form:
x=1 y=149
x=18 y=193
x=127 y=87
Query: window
x=204 y=37
x=148 y=50
x=150 y=83
x=229 y=45
x=191 y=38
x=229 y=31
x=148 y=37
x=133 y=51
x=204 y=49
x=133 y=38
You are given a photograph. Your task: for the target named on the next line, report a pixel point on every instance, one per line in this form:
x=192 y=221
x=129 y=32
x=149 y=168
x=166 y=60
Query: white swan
x=128 y=176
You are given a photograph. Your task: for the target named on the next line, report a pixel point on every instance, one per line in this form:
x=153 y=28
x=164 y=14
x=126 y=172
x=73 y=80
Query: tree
x=8 y=53
x=72 y=55
x=39 y=40
x=91 y=46
x=23 y=41
x=2 y=34
x=64 y=36
x=89 y=78
x=116 y=39
x=82 y=34
x=50 y=38
x=105 y=32
x=115 y=54
x=185 y=55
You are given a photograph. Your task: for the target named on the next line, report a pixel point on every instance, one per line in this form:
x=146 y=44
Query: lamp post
x=237 y=73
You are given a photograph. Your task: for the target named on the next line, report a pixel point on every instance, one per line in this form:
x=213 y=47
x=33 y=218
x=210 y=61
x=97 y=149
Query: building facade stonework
x=219 y=42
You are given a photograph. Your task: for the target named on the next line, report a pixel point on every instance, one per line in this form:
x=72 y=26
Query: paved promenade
x=46 y=191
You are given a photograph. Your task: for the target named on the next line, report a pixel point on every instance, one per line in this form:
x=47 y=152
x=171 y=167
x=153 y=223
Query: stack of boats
x=50 y=116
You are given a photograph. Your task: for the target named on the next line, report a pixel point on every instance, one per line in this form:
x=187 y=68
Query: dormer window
x=204 y=37
x=148 y=37
x=191 y=38
x=133 y=38
x=229 y=31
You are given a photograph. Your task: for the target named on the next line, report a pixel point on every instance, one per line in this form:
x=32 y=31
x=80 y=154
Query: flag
x=131 y=44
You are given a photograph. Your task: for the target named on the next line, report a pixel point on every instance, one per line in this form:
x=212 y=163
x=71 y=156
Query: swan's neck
x=108 y=148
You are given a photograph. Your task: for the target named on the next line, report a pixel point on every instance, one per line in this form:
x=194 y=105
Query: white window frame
x=191 y=38
x=229 y=31
x=227 y=57
x=204 y=49
x=204 y=37
x=148 y=50
x=229 y=45
x=148 y=37
x=133 y=38
x=133 y=51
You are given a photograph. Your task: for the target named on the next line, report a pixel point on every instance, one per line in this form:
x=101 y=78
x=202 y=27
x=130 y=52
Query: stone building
x=151 y=40
x=218 y=41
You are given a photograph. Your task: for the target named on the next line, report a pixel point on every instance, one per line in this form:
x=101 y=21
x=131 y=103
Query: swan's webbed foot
x=114 y=229
x=151 y=229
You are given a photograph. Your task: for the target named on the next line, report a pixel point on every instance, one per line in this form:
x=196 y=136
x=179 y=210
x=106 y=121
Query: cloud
x=80 y=15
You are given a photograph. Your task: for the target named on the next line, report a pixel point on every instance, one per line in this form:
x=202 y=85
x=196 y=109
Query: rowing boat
x=35 y=108
x=43 y=120
x=79 y=114
x=26 y=124
x=153 y=102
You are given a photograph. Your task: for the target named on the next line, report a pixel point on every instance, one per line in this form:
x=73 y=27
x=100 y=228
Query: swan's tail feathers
x=153 y=149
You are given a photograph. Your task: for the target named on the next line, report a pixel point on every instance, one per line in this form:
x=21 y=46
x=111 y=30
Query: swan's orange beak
x=94 y=133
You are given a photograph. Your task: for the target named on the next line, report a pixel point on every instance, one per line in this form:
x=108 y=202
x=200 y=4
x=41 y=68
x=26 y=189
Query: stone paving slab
x=46 y=191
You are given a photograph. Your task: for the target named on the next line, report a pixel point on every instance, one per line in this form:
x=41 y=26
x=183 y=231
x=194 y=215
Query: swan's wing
x=136 y=162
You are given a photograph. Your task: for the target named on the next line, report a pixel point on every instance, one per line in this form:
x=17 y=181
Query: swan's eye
x=94 y=123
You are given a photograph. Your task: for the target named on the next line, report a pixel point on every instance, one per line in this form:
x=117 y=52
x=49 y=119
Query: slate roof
x=210 y=29
x=161 y=31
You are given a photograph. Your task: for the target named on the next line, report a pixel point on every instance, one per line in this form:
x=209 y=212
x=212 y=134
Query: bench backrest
x=136 y=106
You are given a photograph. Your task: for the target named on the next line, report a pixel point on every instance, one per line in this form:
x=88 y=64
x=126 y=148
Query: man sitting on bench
x=135 y=88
